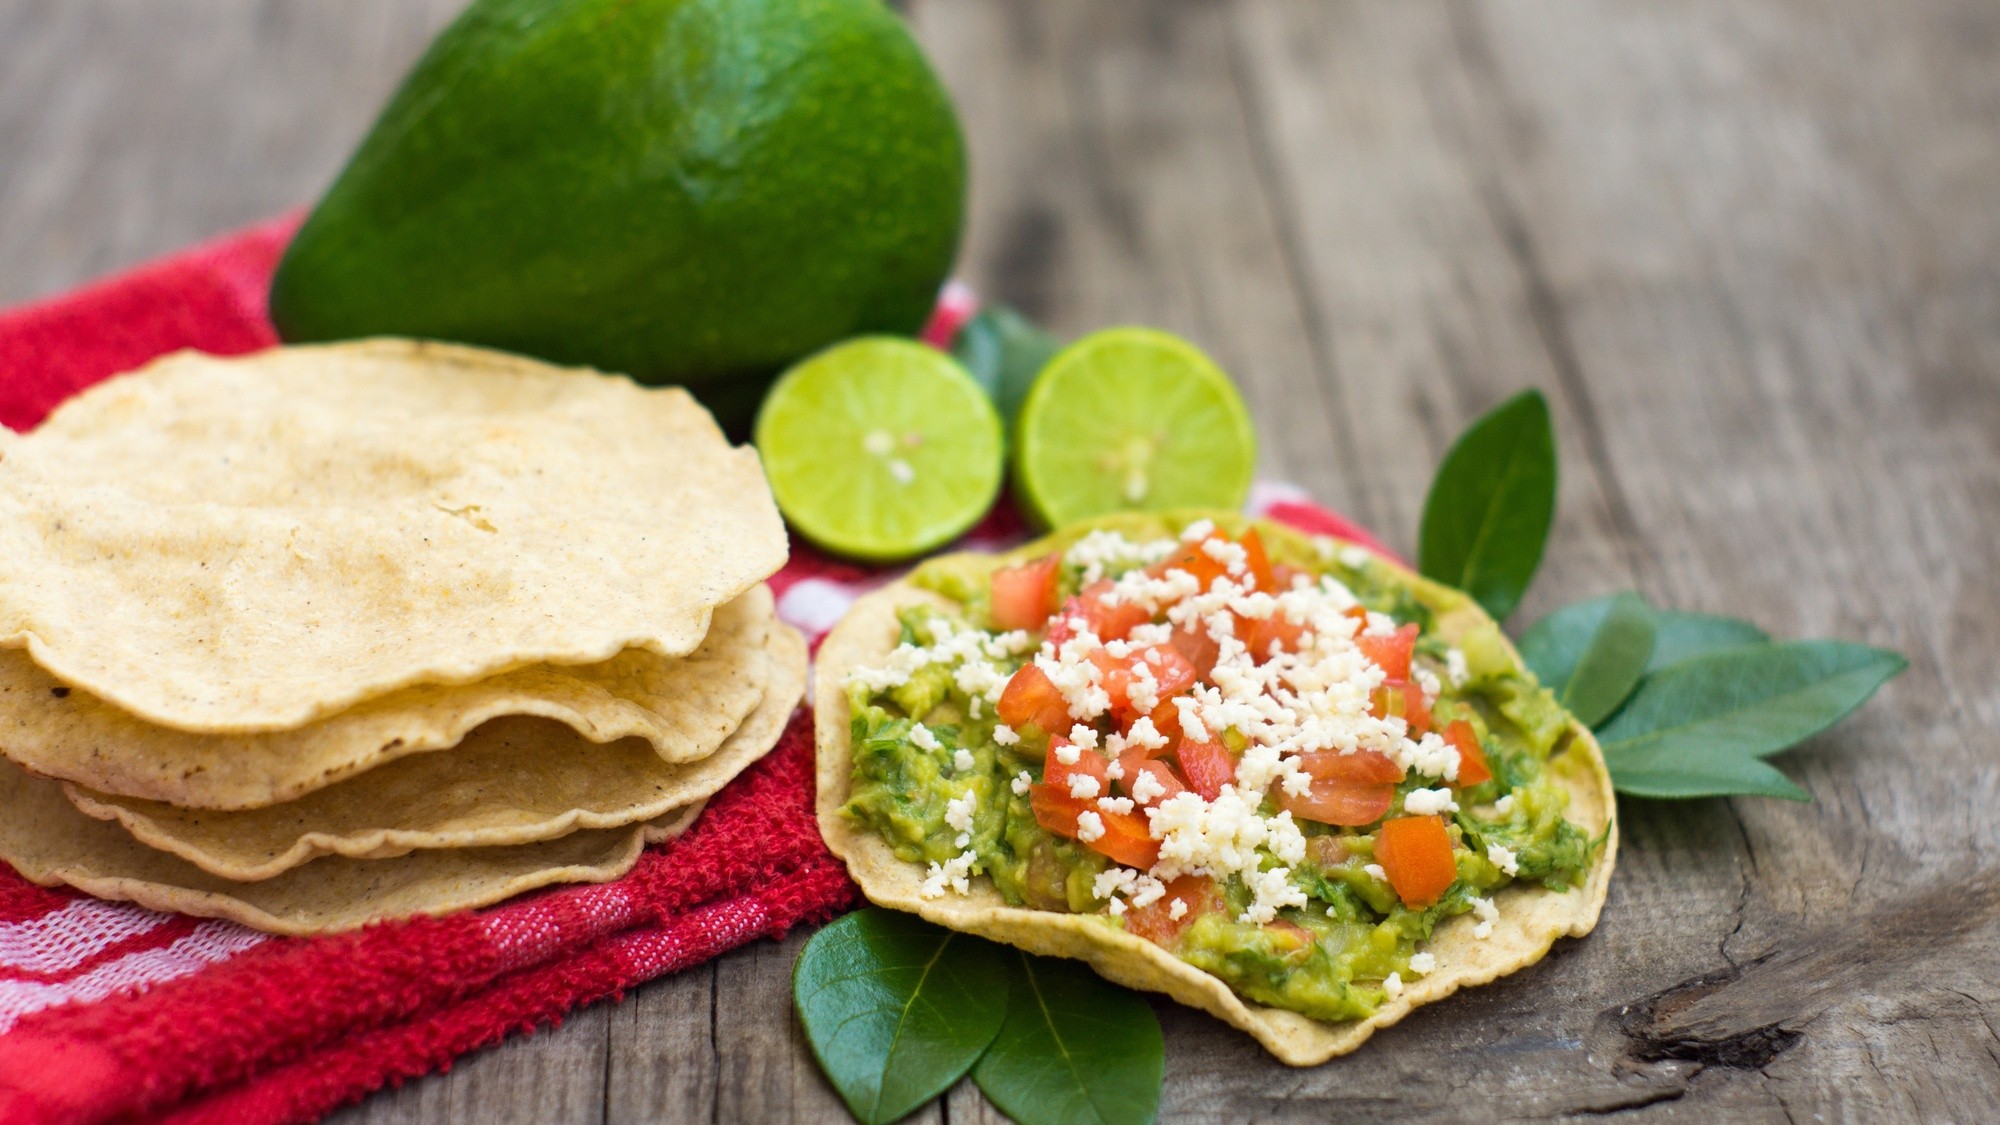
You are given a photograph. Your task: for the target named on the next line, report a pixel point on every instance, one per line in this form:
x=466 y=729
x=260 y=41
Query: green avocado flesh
x=687 y=191
x=1327 y=960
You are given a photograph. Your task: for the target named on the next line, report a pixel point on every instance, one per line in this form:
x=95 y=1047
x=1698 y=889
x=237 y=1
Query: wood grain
x=1749 y=248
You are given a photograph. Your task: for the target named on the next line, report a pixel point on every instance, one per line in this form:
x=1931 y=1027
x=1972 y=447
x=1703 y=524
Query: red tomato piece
x=1108 y=622
x=1055 y=809
x=1089 y=763
x=1369 y=767
x=1031 y=699
x=1259 y=634
x=1208 y=766
x=1167 y=720
x=1171 y=674
x=1259 y=562
x=1415 y=853
x=1126 y=839
x=1198 y=648
x=1472 y=767
x=1156 y=922
x=1162 y=773
x=1346 y=803
x=1391 y=653
x=1025 y=596
x=1205 y=567
x=1401 y=699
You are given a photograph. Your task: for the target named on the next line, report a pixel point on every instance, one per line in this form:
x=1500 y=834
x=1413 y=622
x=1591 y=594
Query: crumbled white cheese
x=955 y=873
x=1232 y=556
x=1427 y=680
x=1354 y=558
x=1114 y=771
x=1115 y=804
x=961 y=760
x=1393 y=985
x=1083 y=736
x=1100 y=552
x=1082 y=786
x=959 y=810
x=1375 y=871
x=924 y=739
x=1089 y=826
x=1503 y=858
x=1429 y=802
x=1484 y=910
x=1423 y=964
x=1197 y=531
x=1005 y=735
x=1271 y=890
x=1023 y=781
x=1117 y=908
x=1068 y=754
x=1454 y=667
x=1178 y=910
x=1146 y=787
x=1505 y=805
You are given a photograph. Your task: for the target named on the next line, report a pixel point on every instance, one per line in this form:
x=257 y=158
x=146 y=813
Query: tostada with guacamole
x=1278 y=777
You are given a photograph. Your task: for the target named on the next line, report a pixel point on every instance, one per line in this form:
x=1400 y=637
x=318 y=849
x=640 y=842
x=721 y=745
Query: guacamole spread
x=1279 y=767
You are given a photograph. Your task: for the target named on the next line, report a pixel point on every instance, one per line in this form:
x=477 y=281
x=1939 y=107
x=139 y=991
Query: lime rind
x=880 y=448
x=1131 y=419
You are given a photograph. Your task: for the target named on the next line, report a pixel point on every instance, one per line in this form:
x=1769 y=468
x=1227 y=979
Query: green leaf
x=897 y=1009
x=1074 y=1049
x=1553 y=646
x=1691 y=728
x=1682 y=636
x=1004 y=351
x=1612 y=662
x=1488 y=514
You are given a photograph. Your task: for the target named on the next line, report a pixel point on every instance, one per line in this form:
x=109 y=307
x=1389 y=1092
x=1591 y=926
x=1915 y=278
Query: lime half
x=880 y=448
x=1132 y=419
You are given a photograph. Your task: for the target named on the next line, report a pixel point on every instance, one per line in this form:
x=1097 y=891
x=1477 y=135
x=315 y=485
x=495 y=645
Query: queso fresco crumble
x=1278 y=771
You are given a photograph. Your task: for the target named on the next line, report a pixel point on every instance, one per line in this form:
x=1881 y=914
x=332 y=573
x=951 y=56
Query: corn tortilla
x=250 y=544
x=513 y=781
x=49 y=842
x=683 y=706
x=1531 y=918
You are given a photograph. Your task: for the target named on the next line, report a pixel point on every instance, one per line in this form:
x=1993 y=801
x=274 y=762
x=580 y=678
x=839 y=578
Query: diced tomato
x=1107 y=622
x=1403 y=700
x=1472 y=767
x=1024 y=596
x=1031 y=699
x=1205 y=567
x=1161 y=771
x=1368 y=767
x=1198 y=647
x=1415 y=853
x=1055 y=809
x=1156 y=922
x=1089 y=763
x=1207 y=766
x=1259 y=562
x=1346 y=803
x=1260 y=633
x=1126 y=839
x=1171 y=672
x=1166 y=719
x=1391 y=653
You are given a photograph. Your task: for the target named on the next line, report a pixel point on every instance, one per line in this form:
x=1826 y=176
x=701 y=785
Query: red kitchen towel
x=109 y=1011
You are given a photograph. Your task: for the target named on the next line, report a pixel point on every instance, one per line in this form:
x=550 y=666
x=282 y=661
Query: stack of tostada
x=324 y=636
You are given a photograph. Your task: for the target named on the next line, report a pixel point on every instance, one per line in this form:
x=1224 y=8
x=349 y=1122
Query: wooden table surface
x=1750 y=248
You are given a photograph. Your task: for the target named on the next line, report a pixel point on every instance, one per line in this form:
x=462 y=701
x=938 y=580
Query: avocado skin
x=687 y=191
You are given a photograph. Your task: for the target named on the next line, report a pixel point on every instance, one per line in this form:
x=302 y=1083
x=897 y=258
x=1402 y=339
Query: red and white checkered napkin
x=109 y=1011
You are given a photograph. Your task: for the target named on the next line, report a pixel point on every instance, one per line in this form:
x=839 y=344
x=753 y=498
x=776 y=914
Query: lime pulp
x=1131 y=419
x=880 y=448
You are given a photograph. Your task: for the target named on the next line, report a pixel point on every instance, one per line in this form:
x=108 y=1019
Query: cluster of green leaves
x=898 y=1010
x=1684 y=704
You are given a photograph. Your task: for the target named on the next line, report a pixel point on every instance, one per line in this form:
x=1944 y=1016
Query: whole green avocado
x=688 y=191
